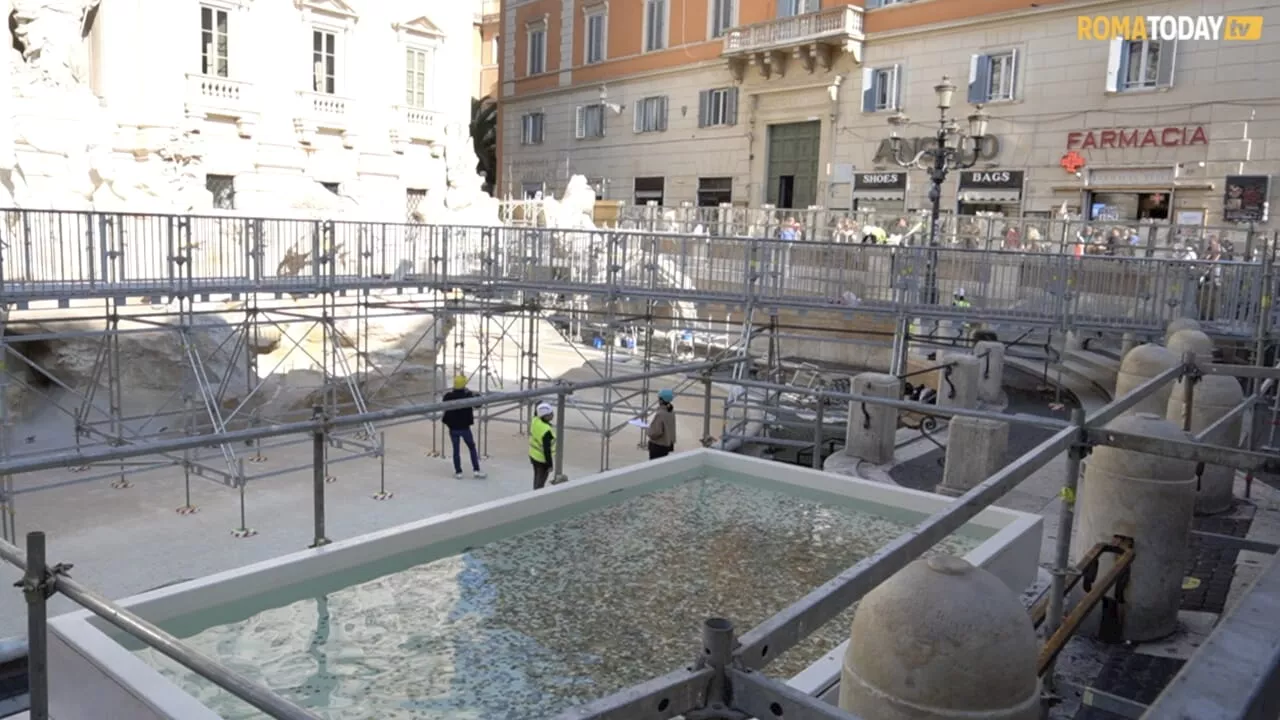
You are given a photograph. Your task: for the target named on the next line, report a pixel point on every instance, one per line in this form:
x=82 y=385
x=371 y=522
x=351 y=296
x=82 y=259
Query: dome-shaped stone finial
x=1140 y=365
x=1191 y=341
x=1179 y=325
x=941 y=640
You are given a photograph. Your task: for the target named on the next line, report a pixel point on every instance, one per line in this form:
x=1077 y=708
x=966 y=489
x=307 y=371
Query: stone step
x=1094 y=359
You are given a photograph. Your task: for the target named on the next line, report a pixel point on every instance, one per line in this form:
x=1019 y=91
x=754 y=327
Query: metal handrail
x=41 y=582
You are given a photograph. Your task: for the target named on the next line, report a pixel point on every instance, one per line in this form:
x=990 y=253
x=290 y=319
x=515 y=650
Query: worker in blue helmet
x=662 y=429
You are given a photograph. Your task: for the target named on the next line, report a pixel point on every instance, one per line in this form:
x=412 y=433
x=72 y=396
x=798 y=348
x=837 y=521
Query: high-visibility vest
x=961 y=303
x=537 y=431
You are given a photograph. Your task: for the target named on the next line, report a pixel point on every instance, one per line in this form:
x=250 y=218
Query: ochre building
x=787 y=101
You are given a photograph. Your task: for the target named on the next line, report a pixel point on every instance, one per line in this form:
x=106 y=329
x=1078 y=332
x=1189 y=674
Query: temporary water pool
x=525 y=607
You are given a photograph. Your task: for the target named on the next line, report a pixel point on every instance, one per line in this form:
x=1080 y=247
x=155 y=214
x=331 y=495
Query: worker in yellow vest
x=542 y=443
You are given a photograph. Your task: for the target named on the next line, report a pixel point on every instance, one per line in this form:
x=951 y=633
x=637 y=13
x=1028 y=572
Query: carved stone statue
x=50 y=37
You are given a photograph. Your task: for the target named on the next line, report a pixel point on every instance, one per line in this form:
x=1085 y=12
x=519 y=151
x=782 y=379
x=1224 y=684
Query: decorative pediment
x=336 y=8
x=420 y=26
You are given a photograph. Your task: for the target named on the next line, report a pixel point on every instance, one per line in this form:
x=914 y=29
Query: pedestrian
x=459 y=422
x=662 y=430
x=542 y=444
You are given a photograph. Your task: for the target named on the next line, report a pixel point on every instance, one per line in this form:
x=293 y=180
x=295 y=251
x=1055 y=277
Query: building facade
x=787 y=102
x=180 y=105
x=488 y=47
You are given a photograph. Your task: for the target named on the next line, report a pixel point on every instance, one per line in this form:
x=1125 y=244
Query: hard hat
x=960 y=292
x=666 y=395
x=544 y=410
x=459 y=382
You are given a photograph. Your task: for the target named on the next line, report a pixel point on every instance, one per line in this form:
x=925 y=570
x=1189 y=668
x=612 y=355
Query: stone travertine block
x=975 y=450
x=1150 y=499
x=990 y=356
x=872 y=428
x=1212 y=397
x=958 y=385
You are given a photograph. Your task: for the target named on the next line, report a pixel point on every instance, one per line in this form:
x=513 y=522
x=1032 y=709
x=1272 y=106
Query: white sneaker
x=479 y=475
x=457 y=476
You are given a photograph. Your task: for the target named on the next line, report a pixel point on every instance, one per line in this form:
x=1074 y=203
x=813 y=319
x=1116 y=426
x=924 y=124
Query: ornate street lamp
x=949 y=153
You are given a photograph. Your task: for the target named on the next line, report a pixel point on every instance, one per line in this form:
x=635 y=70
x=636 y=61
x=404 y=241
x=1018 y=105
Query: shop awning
x=992 y=196
x=879 y=194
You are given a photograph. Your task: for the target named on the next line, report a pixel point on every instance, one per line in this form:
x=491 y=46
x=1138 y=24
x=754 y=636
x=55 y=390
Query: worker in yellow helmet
x=459 y=422
x=542 y=444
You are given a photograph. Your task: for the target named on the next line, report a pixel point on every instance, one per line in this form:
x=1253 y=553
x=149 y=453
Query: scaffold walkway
x=60 y=257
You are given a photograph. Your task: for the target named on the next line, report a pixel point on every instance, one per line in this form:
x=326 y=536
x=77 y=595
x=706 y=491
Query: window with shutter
x=718 y=107
x=651 y=114
x=579 y=126
x=882 y=88
x=704 y=108
x=1002 y=76
x=979 y=78
x=596 y=34
x=724 y=15
x=655 y=25
x=537 y=60
x=1146 y=64
x=531 y=129
x=1115 y=65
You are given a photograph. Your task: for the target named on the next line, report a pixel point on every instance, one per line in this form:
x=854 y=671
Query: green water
x=527 y=621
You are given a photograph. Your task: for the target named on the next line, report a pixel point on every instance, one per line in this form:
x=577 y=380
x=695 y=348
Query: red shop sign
x=1137 y=137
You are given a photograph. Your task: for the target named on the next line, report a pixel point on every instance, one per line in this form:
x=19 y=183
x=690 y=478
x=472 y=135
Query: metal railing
x=1145 y=238
x=56 y=255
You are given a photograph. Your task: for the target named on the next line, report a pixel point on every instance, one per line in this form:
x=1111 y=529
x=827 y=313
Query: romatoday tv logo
x=1169 y=27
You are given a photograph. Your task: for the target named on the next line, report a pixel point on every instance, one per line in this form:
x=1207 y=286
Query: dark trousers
x=459 y=436
x=541 y=471
x=658 y=451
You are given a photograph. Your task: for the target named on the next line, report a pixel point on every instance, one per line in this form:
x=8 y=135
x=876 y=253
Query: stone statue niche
x=52 y=41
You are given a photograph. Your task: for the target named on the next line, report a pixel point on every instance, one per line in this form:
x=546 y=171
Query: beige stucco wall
x=1226 y=86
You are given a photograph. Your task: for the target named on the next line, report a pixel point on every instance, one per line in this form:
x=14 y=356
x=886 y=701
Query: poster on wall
x=1245 y=198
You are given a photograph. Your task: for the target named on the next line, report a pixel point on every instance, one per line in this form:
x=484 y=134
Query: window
x=531 y=128
x=324 y=61
x=416 y=86
x=791 y=8
x=213 y=39
x=718 y=107
x=651 y=114
x=881 y=88
x=332 y=187
x=873 y=4
x=495 y=49
x=650 y=190
x=537 y=51
x=414 y=199
x=590 y=122
x=715 y=191
x=993 y=77
x=723 y=16
x=223 y=190
x=1140 y=64
x=655 y=25
x=597 y=31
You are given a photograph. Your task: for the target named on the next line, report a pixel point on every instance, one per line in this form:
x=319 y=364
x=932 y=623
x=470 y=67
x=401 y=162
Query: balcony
x=414 y=123
x=209 y=96
x=322 y=111
x=815 y=39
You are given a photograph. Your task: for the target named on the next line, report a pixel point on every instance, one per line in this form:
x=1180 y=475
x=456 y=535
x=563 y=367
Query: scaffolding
x=726 y=679
x=217 y=292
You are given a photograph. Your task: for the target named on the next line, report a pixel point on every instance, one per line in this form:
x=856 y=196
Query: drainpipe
x=834 y=91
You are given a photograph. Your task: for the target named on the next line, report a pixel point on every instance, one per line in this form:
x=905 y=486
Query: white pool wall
x=92 y=677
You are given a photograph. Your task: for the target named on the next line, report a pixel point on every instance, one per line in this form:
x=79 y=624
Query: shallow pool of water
x=531 y=624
